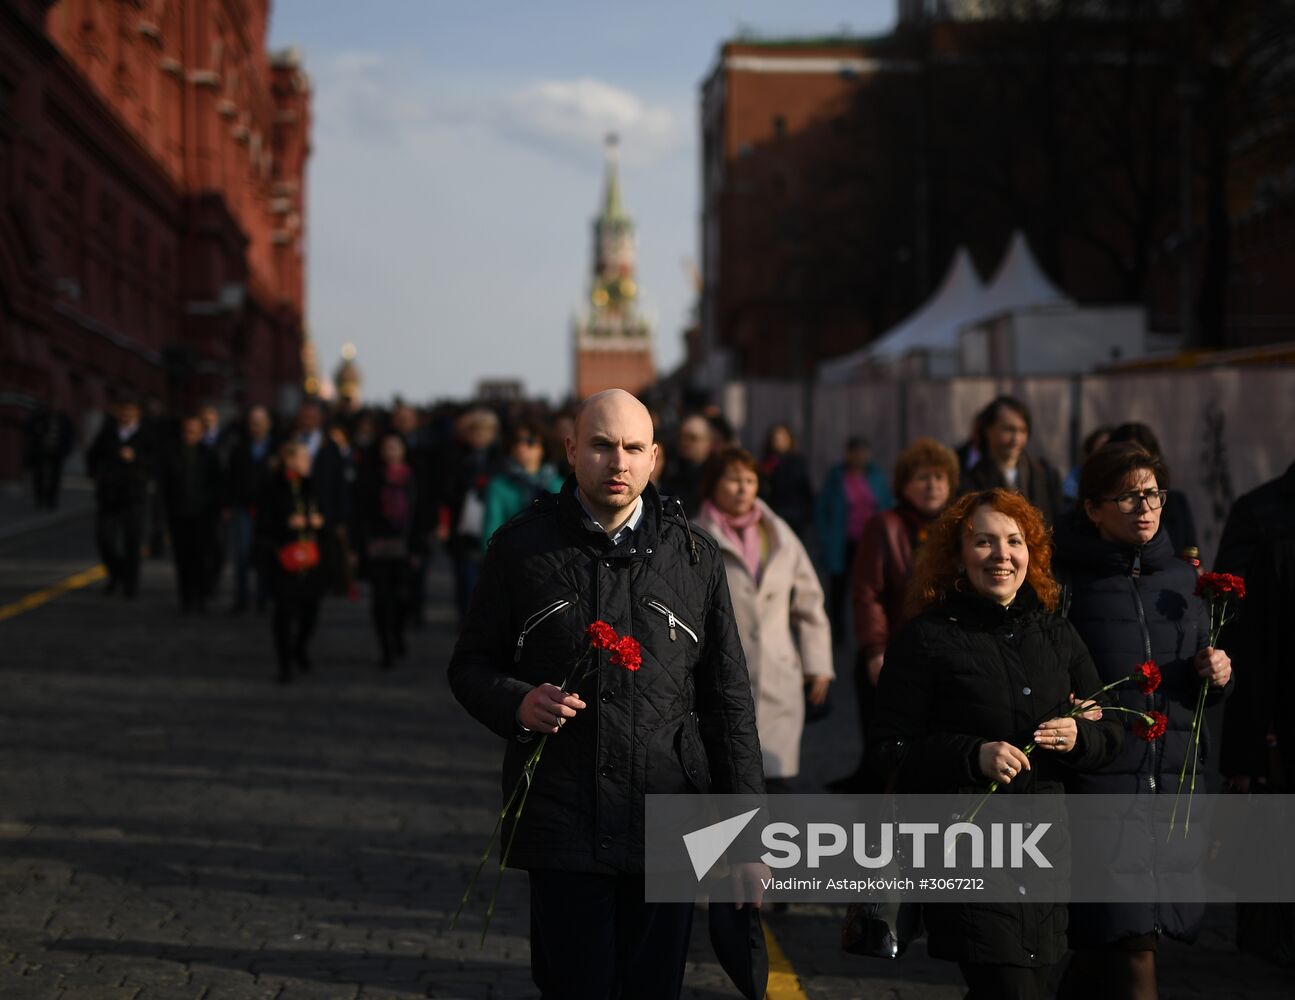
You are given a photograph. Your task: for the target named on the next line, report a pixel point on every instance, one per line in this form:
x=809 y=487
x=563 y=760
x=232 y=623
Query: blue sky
x=457 y=166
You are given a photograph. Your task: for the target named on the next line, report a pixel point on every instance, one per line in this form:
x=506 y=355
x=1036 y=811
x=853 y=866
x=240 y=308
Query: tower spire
x=612 y=207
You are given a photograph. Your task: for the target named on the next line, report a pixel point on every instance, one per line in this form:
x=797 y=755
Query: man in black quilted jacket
x=607 y=548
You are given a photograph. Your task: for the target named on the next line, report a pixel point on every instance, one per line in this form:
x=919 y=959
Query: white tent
x=934 y=324
x=961 y=299
x=1019 y=283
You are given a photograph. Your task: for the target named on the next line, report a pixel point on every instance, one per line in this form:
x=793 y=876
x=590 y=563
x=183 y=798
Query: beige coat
x=785 y=634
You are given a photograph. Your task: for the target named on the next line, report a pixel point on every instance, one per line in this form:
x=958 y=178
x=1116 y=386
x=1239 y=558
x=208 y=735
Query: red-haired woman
x=982 y=669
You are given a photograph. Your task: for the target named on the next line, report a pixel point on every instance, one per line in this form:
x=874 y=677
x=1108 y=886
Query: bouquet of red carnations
x=625 y=653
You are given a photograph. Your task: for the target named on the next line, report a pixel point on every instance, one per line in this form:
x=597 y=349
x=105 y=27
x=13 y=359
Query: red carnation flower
x=627 y=653
x=602 y=635
x=1213 y=586
x=1151 y=726
x=1146 y=676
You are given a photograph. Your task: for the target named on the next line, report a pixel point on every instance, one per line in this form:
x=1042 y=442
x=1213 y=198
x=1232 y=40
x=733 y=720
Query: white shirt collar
x=625 y=528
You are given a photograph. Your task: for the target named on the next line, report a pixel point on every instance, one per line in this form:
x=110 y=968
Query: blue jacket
x=832 y=510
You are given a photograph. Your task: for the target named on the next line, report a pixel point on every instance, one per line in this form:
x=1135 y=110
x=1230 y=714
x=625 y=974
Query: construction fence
x=1223 y=430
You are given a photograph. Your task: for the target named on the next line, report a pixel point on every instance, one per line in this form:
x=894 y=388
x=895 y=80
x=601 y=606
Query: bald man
x=606 y=548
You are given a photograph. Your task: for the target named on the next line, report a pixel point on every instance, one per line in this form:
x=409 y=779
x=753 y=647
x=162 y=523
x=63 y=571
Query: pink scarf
x=743 y=529
x=394 y=498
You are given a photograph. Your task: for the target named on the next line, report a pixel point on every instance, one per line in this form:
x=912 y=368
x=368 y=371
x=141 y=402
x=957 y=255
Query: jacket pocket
x=673 y=621
x=676 y=759
x=534 y=622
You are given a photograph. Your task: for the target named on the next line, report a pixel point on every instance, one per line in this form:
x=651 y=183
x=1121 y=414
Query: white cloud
x=572 y=116
x=369 y=96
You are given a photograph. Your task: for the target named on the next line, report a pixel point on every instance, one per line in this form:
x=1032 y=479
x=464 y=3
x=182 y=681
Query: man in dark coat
x=1258 y=543
x=606 y=549
x=49 y=442
x=191 y=486
x=1258 y=748
x=1005 y=431
x=120 y=461
x=683 y=469
x=252 y=464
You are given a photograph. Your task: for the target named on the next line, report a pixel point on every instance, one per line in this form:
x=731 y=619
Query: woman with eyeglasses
x=1132 y=600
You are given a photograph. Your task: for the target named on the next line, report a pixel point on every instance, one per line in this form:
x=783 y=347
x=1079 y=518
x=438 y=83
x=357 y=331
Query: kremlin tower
x=613 y=339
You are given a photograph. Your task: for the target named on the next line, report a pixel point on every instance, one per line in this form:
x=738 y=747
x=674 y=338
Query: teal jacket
x=831 y=512
x=511 y=492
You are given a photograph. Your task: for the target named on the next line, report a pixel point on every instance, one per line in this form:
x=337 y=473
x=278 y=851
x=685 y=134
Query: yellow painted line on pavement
x=83 y=579
x=784 y=984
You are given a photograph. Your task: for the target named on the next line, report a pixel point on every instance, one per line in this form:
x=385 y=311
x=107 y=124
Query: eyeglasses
x=527 y=439
x=1129 y=502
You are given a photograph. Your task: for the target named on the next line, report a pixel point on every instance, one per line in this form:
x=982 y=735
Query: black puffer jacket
x=967 y=672
x=684 y=722
x=1131 y=605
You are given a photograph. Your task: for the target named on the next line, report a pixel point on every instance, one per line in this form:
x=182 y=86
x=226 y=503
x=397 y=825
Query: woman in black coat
x=288 y=525
x=983 y=670
x=1132 y=599
x=784 y=480
x=392 y=542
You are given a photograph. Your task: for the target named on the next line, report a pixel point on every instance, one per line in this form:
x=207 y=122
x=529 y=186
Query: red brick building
x=152 y=206
x=795 y=200
x=841 y=175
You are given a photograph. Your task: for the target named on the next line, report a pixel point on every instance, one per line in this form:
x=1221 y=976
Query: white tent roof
x=1019 y=283
x=934 y=324
x=962 y=298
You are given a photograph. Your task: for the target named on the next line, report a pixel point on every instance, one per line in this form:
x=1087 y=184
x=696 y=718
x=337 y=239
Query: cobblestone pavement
x=174 y=825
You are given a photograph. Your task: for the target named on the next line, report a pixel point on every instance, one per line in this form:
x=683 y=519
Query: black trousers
x=1004 y=982
x=118 y=533
x=47 y=477
x=190 y=547
x=392 y=583
x=838 y=609
x=594 y=938
x=296 y=611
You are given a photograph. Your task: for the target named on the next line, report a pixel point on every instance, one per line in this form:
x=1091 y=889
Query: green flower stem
x=1198 y=721
x=526 y=778
x=993 y=787
x=1218 y=618
x=1128 y=711
x=528 y=774
x=1073 y=713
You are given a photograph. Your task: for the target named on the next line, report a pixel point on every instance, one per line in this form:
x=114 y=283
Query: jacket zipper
x=1146 y=644
x=671 y=619
x=534 y=621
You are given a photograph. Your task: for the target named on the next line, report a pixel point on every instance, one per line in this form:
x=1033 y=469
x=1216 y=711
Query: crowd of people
x=953 y=581
x=313 y=505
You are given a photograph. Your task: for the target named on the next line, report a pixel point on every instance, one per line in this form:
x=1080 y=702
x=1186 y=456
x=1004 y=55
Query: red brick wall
x=151 y=206
x=599 y=370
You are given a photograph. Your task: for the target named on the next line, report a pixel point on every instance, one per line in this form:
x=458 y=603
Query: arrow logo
x=707 y=844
